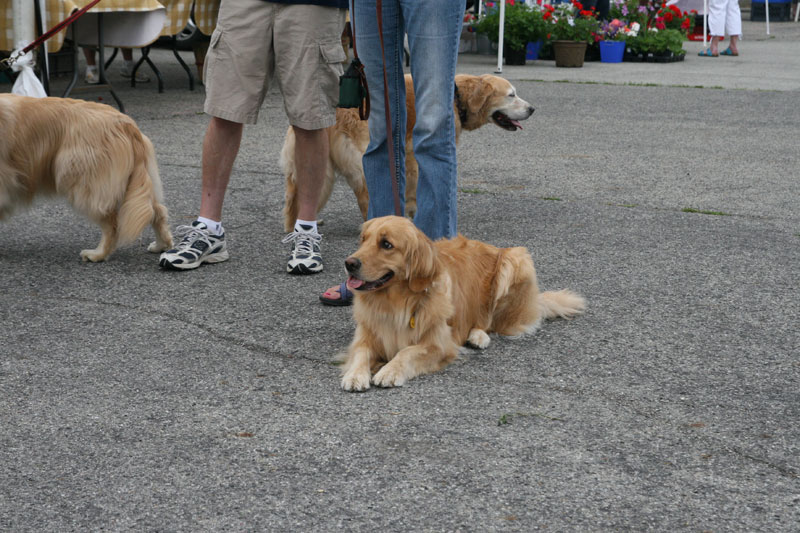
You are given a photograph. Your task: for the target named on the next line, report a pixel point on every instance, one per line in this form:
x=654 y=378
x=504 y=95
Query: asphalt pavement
x=137 y=399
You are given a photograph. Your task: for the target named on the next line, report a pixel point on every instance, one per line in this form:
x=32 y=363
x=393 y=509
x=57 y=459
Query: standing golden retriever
x=417 y=301
x=479 y=101
x=90 y=153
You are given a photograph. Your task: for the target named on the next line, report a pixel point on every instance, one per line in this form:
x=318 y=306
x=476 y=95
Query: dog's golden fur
x=417 y=301
x=89 y=153
x=482 y=99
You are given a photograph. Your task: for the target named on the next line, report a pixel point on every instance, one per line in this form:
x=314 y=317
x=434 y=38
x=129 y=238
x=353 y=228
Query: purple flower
x=624 y=9
x=642 y=9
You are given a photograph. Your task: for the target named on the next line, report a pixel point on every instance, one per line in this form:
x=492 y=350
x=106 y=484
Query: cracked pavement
x=133 y=398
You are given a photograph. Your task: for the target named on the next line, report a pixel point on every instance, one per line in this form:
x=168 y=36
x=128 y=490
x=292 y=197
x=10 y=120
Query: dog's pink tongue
x=354 y=283
x=516 y=123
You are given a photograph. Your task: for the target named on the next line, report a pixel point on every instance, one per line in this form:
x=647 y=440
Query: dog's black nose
x=530 y=110
x=352 y=264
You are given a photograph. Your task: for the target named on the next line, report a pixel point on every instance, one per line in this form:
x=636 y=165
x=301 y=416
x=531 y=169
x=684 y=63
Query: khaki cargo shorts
x=297 y=45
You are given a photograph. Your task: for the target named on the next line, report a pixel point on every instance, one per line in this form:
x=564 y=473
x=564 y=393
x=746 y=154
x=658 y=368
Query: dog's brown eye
x=386 y=244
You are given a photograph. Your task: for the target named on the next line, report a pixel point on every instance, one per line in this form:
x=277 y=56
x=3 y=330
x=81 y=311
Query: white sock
x=214 y=227
x=306 y=226
x=91 y=68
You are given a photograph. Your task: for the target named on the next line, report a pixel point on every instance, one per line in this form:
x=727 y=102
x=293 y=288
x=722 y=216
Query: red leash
x=6 y=63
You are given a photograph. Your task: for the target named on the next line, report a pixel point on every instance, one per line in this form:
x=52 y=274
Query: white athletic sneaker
x=92 y=76
x=305 y=257
x=197 y=246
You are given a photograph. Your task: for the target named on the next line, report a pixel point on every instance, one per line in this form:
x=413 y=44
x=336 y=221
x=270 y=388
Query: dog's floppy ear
x=423 y=263
x=478 y=91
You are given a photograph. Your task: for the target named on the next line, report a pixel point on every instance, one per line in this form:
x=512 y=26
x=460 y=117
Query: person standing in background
x=724 y=17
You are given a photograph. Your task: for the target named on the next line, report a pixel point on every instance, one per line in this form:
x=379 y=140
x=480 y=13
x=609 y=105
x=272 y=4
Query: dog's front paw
x=156 y=247
x=355 y=381
x=389 y=376
x=93 y=255
x=478 y=339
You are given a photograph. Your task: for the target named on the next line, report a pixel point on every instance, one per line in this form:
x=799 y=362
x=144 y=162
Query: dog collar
x=462 y=111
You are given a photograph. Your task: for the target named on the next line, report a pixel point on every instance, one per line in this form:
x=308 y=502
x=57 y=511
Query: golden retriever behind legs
x=90 y=153
x=417 y=301
x=480 y=100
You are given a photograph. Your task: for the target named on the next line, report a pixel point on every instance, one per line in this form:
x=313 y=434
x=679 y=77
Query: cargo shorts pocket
x=332 y=57
x=212 y=54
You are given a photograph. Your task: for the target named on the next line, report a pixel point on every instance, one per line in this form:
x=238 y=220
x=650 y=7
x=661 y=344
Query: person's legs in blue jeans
x=434 y=30
x=376 y=158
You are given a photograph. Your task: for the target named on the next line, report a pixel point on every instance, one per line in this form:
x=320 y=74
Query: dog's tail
x=563 y=304
x=143 y=193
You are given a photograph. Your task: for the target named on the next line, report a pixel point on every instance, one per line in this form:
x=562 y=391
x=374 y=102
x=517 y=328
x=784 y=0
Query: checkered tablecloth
x=58 y=10
x=178 y=11
x=205 y=15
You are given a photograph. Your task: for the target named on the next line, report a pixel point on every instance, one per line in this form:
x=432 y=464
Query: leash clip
x=5 y=64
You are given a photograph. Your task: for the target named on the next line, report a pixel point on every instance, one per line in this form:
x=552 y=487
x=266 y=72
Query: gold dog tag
x=413 y=322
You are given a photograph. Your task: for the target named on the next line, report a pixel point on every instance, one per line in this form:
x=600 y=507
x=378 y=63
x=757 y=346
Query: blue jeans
x=434 y=30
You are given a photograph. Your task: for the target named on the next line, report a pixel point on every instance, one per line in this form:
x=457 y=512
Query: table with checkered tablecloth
x=58 y=10
x=177 y=15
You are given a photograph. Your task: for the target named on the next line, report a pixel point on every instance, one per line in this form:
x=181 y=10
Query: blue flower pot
x=612 y=51
x=532 y=50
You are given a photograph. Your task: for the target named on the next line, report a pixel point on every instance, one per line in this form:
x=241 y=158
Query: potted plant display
x=571 y=28
x=612 y=43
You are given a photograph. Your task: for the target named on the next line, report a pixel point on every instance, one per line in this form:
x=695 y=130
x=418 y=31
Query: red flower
x=577 y=5
x=660 y=25
x=668 y=16
x=686 y=24
x=585 y=13
x=547 y=16
x=675 y=9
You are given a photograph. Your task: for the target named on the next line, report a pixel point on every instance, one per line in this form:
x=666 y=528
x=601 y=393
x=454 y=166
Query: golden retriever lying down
x=480 y=100
x=417 y=301
x=90 y=153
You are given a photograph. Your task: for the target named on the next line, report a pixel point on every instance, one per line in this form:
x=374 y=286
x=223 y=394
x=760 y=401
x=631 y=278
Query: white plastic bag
x=27 y=83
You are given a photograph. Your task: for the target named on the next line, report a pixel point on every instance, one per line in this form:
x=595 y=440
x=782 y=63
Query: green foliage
x=570 y=22
x=523 y=24
x=582 y=29
x=656 y=41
